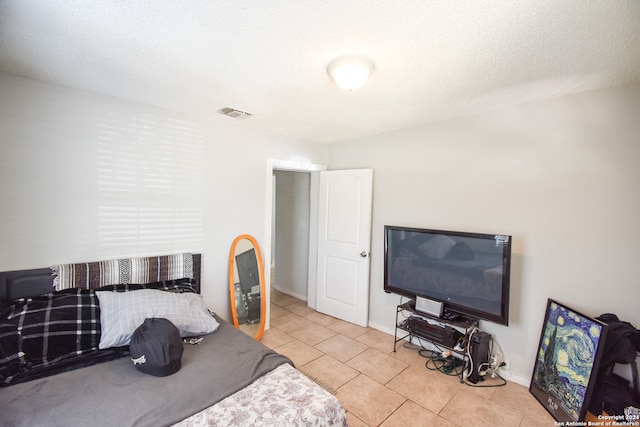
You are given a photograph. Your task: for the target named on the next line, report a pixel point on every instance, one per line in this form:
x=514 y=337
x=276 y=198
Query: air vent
x=232 y=112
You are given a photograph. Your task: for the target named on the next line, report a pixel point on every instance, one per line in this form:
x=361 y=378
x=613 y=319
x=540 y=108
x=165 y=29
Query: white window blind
x=150 y=184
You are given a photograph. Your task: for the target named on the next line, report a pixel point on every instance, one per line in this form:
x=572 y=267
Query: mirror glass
x=246 y=286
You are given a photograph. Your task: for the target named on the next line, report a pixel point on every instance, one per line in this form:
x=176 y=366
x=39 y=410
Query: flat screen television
x=468 y=272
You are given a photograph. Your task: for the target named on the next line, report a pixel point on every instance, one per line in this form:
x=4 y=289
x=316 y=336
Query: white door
x=344 y=242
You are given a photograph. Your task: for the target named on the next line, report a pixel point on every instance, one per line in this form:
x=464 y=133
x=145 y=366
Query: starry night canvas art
x=568 y=353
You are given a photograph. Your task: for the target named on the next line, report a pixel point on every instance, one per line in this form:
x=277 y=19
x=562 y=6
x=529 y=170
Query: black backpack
x=611 y=391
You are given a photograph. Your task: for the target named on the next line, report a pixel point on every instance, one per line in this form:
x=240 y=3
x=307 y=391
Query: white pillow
x=122 y=312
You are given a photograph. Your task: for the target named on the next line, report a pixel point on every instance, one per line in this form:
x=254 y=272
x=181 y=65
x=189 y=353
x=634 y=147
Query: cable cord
x=446 y=365
x=451 y=366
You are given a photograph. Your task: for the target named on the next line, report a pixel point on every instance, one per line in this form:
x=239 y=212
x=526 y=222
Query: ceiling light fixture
x=350 y=72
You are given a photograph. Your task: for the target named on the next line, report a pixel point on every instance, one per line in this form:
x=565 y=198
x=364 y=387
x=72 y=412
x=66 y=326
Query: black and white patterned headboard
x=28 y=283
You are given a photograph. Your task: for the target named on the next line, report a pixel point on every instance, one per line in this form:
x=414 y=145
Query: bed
x=67 y=378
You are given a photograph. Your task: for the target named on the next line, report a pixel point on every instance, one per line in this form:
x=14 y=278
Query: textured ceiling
x=433 y=59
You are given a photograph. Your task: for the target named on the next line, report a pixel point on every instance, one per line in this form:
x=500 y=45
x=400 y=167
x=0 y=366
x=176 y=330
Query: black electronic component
x=444 y=335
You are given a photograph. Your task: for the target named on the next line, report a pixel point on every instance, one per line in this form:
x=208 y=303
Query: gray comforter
x=116 y=394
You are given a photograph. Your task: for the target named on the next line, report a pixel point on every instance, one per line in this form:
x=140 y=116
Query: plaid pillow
x=56 y=326
x=12 y=358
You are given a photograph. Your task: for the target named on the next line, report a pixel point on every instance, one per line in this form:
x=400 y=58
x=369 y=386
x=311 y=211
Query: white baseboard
x=291 y=294
x=515 y=378
x=382 y=328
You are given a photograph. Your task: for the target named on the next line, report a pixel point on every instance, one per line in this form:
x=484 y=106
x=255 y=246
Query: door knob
x=364 y=254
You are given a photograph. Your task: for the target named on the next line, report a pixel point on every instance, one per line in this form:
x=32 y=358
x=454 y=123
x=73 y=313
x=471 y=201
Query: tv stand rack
x=441 y=331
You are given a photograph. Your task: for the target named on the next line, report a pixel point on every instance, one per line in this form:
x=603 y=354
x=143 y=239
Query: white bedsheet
x=283 y=397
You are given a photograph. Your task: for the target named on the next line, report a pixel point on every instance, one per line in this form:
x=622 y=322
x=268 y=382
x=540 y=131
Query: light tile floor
x=378 y=387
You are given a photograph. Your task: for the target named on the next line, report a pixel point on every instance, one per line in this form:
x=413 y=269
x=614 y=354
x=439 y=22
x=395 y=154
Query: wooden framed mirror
x=246 y=286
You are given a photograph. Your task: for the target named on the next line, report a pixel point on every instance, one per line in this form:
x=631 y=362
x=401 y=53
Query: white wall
x=71 y=160
x=560 y=176
x=292 y=232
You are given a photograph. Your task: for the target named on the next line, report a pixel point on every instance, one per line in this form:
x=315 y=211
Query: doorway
x=345 y=213
x=311 y=170
x=290 y=233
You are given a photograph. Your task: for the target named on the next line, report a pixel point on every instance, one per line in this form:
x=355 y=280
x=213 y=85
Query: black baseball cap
x=156 y=347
